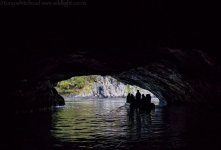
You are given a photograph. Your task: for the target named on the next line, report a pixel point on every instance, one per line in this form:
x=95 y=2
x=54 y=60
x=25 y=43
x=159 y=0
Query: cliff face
x=100 y=86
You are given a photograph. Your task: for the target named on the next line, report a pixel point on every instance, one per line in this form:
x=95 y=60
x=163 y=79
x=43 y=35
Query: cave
x=156 y=45
x=173 y=75
x=101 y=87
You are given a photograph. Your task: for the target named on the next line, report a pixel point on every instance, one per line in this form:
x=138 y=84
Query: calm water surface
x=110 y=124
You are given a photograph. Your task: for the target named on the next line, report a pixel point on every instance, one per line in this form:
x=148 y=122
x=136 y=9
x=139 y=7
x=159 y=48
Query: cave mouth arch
x=97 y=86
x=172 y=75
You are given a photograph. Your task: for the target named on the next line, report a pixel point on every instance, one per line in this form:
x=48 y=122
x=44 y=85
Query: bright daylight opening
x=98 y=87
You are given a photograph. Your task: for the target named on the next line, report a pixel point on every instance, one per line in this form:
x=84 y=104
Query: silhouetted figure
x=142 y=102
x=132 y=98
x=143 y=98
x=129 y=98
x=148 y=98
x=138 y=96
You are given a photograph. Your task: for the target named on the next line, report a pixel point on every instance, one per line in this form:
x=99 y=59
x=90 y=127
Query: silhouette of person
x=143 y=97
x=129 y=98
x=148 y=98
x=138 y=96
x=132 y=98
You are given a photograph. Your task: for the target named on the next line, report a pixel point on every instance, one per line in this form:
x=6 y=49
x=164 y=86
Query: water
x=110 y=124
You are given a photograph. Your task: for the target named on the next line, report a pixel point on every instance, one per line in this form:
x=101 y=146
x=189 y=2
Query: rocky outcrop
x=36 y=97
x=108 y=87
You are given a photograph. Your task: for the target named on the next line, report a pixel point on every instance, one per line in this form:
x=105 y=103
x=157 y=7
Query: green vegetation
x=131 y=89
x=75 y=85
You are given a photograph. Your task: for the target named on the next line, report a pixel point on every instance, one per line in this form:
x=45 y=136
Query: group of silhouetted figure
x=140 y=100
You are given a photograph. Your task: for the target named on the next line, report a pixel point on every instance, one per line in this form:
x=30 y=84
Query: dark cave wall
x=180 y=77
x=34 y=97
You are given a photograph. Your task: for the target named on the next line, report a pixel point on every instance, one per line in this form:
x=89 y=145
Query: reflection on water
x=110 y=124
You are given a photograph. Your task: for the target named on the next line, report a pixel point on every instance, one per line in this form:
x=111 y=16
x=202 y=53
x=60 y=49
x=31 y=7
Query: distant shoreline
x=70 y=98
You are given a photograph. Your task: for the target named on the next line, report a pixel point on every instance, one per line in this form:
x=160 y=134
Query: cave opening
x=97 y=86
